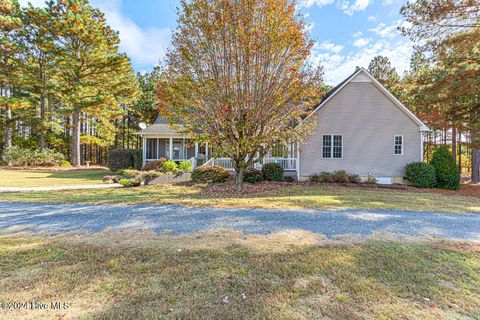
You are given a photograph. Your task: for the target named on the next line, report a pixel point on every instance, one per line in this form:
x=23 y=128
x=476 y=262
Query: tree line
x=64 y=83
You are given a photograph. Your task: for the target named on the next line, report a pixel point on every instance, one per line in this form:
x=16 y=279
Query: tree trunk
x=43 y=102
x=460 y=151
x=475 y=165
x=76 y=139
x=239 y=179
x=454 y=144
x=8 y=129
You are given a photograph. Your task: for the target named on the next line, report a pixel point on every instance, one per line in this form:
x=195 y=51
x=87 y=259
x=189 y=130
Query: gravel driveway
x=61 y=218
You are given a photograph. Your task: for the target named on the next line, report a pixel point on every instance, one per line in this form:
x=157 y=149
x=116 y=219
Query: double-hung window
x=332 y=146
x=398 y=145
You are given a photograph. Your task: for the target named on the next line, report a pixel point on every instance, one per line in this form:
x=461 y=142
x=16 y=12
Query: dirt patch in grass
x=226 y=275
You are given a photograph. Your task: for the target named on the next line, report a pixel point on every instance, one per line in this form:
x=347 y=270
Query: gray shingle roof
x=161 y=126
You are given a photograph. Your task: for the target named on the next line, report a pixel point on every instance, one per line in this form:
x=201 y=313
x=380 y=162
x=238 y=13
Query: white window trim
x=395 y=144
x=331 y=147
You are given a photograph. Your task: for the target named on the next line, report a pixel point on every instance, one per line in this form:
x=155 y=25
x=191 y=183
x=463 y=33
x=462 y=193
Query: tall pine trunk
x=76 y=139
x=9 y=121
x=454 y=144
x=42 y=121
x=475 y=164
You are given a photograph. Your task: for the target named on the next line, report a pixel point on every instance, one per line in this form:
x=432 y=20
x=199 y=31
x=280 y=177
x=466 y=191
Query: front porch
x=183 y=149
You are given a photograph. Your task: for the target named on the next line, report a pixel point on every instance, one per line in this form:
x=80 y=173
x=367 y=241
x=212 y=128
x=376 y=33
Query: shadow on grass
x=370 y=280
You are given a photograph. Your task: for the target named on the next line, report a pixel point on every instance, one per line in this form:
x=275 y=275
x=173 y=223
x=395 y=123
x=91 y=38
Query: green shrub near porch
x=421 y=175
x=272 y=172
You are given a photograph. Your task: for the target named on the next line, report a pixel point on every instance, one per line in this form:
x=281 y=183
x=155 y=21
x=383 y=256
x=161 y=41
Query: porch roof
x=161 y=127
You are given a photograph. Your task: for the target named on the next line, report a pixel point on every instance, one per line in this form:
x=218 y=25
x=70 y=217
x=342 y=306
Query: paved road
x=61 y=218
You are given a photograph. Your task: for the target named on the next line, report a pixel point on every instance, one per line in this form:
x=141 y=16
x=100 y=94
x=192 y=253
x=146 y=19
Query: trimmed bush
x=17 y=156
x=119 y=159
x=371 y=180
x=65 y=163
x=289 y=179
x=340 y=176
x=213 y=174
x=137 y=158
x=272 y=172
x=135 y=182
x=184 y=166
x=129 y=173
x=155 y=165
x=354 y=178
x=169 y=166
x=421 y=175
x=251 y=175
x=321 y=177
x=446 y=170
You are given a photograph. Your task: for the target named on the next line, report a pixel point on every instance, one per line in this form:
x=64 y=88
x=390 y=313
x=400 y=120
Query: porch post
x=144 y=151
x=196 y=149
x=298 y=161
x=206 y=150
x=170 y=150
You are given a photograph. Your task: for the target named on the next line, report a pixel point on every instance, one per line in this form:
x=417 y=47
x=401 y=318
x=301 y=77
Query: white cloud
x=357 y=34
x=372 y=18
x=358 y=5
x=386 y=31
x=361 y=42
x=320 y=3
x=338 y=67
x=35 y=3
x=329 y=46
x=145 y=46
x=387 y=2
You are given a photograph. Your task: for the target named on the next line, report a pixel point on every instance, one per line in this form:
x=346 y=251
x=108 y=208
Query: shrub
x=17 y=156
x=289 y=179
x=371 y=180
x=169 y=166
x=354 y=178
x=340 y=176
x=213 y=174
x=321 y=177
x=129 y=173
x=135 y=182
x=251 y=175
x=421 y=175
x=272 y=172
x=148 y=176
x=65 y=163
x=446 y=171
x=185 y=166
x=111 y=179
x=155 y=165
x=120 y=159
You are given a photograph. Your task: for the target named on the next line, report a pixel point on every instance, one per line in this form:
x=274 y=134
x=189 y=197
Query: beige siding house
x=360 y=127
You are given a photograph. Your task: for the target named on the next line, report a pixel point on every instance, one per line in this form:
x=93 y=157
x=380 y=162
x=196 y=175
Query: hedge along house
x=360 y=127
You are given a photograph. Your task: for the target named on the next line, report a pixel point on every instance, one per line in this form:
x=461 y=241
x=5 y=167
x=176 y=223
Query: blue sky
x=348 y=33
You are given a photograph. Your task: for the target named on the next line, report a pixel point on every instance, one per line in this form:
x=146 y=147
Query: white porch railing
x=286 y=163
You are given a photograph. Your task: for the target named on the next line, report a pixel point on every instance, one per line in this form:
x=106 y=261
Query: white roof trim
x=402 y=107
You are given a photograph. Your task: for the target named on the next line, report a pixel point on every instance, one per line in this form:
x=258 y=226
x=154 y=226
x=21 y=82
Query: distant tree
x=146 y=106
x=381 y=68
x=39 y=68
x=448 y=31
x=93 y=77
x=10 y=13
x=238 y=73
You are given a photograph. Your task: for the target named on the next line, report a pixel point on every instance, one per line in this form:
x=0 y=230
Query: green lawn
x=222 y=276
x=287 y=197
x=44 y=178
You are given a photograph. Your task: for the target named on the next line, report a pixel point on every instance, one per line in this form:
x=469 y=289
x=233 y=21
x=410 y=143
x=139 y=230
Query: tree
x=38 y=69
x=381 y=68
x=238 y=74
x=146 y=105
x=449 y=32
x=10 y=13
x=93 y=76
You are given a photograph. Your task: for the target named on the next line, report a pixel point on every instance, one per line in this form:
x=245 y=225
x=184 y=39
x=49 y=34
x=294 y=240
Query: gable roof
x=161 y=126
x=384 y=90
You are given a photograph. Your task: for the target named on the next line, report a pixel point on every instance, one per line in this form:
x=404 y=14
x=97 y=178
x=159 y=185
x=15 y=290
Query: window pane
x=398 y=145
x=337 y=146
x=327 y=146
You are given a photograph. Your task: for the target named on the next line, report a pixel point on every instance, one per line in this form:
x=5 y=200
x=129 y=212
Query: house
x=360 y=127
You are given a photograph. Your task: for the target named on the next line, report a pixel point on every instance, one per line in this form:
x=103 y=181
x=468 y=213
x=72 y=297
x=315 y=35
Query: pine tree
x=93 y=77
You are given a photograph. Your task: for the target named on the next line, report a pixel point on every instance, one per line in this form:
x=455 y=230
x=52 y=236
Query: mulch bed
x=268 y=187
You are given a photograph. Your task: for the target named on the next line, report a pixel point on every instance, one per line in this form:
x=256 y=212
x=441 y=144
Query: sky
x=348 y=33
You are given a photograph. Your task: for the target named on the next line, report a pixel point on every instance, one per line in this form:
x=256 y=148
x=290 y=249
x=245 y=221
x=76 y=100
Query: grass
x=287 y=197
x=45 y=178
x=224 y=275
